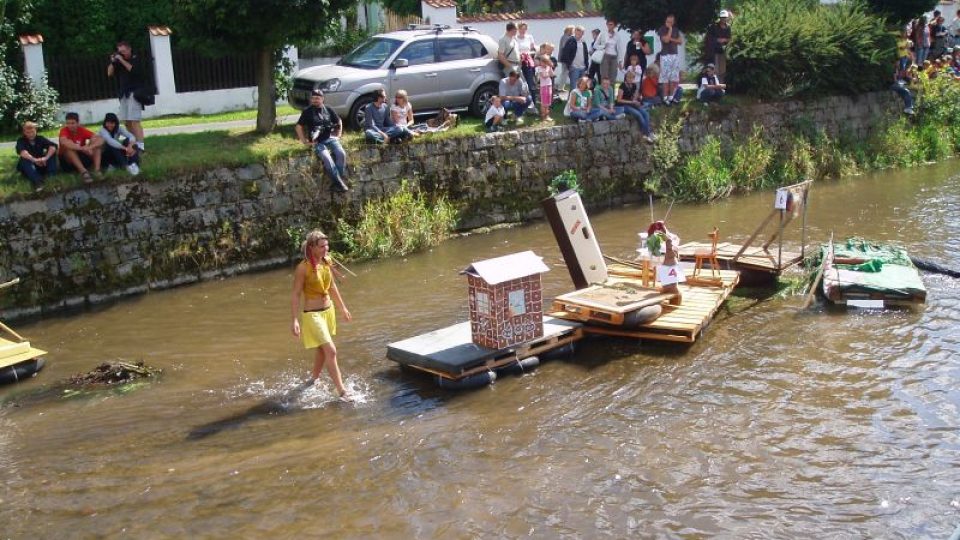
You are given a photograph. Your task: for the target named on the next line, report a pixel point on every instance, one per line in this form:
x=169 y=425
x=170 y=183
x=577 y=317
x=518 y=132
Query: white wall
x=207 y=102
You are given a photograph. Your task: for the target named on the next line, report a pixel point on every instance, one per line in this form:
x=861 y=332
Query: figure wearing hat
x=711 y=89
x=319 y=127
x=718 y=36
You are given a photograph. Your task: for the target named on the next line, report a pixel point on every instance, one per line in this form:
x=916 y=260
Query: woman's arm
x=298 y=276
x=409 y=114
x=108 y=138
x=335 y=294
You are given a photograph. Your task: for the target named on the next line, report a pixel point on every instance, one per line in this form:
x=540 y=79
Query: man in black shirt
x=126 y=67
x=718 y=35
x=38 y=156
x=320 y=127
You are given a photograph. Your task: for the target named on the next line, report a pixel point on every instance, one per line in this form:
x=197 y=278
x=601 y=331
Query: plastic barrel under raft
x=520 y=367
x=642 y=316
x=478 y=380
x=21 y=371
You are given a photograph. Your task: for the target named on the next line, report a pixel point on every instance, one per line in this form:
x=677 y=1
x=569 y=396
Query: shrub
x=784 y=48
x=38 y=103
x=751 y=162
x=705 y=176
x=402 y=223
x=664 y=156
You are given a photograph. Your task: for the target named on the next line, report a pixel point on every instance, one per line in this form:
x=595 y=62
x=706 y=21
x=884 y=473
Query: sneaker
x=519 y=121
x=133 y=169
x=338 y=186
x=87 y=179
x=582 y=121
x=650 y=138
x=620 y=116
x=667 y=100
x=908 y=110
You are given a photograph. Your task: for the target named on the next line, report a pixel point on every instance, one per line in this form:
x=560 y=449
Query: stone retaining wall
x=93 y=244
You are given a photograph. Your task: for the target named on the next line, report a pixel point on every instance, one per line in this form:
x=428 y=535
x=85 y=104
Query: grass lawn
x=176 y=120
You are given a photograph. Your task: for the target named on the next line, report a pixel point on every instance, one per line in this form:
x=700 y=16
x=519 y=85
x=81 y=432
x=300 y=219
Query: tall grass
x=401 y=223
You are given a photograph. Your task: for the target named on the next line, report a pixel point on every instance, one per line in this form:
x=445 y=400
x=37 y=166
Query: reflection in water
x=780 y=423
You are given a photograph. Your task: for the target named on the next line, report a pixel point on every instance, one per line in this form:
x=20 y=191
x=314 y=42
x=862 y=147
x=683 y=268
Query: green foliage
x=402 y=7
x=706 y=175
x=8 y=93
x=282 y=73
x=785 y=48
x=564 y=181
x=901 y=11
x=402 y=223
x=643 y=15
x=751 y=162
x=93 y=27
x=340 y=41
x=38 y=103
x=664 y=156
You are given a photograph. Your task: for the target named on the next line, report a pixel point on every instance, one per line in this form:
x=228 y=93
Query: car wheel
x=481 y=99
x=357 y=113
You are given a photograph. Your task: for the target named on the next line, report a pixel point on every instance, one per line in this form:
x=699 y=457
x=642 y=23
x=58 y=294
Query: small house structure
x=506 y=299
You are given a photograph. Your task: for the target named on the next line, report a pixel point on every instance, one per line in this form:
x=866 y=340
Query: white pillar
x=162 y=60
x=293 y=54
x=33 y=65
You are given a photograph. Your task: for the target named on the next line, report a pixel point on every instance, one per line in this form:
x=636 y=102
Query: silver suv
x=456 y=69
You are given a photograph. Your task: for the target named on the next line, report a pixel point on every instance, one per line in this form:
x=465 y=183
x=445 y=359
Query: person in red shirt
x=650 y=88
x=80 y=149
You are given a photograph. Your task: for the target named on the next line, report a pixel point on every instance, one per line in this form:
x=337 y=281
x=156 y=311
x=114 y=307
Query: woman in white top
x=528 y=59
x=120 y=150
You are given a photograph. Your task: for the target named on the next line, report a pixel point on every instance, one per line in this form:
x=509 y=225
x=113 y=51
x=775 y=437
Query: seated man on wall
x=38 y=156
x=320 y=127
x=377 y=119
x=711 y=89
x=515 y=95
x=80 y=149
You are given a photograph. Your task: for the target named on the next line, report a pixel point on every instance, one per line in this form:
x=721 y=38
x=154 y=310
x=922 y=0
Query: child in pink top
x=545 y=74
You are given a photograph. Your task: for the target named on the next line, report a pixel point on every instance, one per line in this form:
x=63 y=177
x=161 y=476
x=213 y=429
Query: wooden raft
x=754 y=258
x=681 y=323
x=450 y=353
x=13 y=352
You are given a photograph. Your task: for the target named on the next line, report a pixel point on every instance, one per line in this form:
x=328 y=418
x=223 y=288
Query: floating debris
x=114 y=373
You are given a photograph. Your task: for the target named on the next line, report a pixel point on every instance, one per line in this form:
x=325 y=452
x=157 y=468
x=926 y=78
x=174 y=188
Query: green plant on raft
x=398 y=224
x=565 y=181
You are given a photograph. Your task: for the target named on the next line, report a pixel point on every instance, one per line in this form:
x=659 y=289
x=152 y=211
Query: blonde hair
x=312 y=239
x=569 y=29
x=401 y=93
x=580 y=28
x=653 y=69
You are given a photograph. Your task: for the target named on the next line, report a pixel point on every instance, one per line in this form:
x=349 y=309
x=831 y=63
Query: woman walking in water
x=316 y=323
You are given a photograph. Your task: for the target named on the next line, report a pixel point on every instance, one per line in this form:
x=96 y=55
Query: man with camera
x=718 y=35
x=320 y=127
x=126 y=67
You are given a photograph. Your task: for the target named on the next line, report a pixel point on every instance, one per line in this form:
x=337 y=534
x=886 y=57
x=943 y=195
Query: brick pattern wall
x=499 y=326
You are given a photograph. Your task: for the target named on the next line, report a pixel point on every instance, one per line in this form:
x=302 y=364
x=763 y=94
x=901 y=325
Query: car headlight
x=330 y=86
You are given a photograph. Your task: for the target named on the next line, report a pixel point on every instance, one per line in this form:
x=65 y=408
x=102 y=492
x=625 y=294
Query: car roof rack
x=433 y=27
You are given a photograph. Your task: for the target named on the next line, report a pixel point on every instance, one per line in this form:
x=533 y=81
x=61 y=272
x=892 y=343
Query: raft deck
x=450 y=352
x=603 y=307
x=753 y=259
x=12 y=352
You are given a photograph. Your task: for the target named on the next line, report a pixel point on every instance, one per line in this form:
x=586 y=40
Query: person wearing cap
x=718 y=35
x=515 y=95
x=320 y=127
x=711 y=89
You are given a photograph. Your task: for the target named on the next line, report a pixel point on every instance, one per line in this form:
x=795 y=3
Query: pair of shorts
x=317 y=328
x=130 y=109
x=546 y=94
x=670 y=68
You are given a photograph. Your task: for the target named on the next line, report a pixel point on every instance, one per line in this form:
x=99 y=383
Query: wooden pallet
x=682 y=323
x=14 y=352
x=453 y=346
x=752 y=259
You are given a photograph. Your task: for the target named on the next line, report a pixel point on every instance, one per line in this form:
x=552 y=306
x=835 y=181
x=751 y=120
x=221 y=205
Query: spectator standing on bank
x=37 y=156
x=955 y=30
x=126 y=67
x=938 y=34
x=596 y=58
x=528 y=58
x=639 y=47
x=320 y=127
x=574 y=57
x=508 y=51
x=670 y=40
x=80 y=149
x=545 y=78
x=610 y=46
x=921 y=40
x=120 y=148
x=718 y=35
x=561 y=68
x=515 y=95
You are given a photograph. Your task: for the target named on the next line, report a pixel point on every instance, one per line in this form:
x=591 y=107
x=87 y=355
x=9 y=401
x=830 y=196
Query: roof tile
x=520 y=15
x=31 y=39
x=441 y=3
x=159 y=30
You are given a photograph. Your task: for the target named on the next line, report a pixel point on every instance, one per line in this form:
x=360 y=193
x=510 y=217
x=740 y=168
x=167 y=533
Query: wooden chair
x=708 y=255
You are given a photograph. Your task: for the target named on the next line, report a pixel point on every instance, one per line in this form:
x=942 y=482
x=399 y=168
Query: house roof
x=519 y=15
x=508 y=267
x=441 y=3
x=31 y=39
x=159 y=30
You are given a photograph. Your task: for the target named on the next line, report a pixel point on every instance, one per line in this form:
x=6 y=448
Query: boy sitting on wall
x=711 y=89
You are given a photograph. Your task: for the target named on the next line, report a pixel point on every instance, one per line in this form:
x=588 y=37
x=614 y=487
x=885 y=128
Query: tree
x=901 y=11
x=643 y=15
x=261 y=27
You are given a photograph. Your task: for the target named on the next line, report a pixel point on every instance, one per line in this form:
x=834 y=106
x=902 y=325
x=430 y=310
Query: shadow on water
x=273 y=406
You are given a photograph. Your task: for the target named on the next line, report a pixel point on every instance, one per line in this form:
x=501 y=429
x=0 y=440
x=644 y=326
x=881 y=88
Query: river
x=776 y=424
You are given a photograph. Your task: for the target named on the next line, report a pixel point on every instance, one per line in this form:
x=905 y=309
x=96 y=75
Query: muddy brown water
x=777 y=424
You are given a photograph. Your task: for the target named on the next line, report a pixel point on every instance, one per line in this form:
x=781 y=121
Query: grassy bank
x=723 y=167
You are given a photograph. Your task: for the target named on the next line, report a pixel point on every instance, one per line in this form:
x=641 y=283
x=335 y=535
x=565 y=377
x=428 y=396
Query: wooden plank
x=638 y=334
